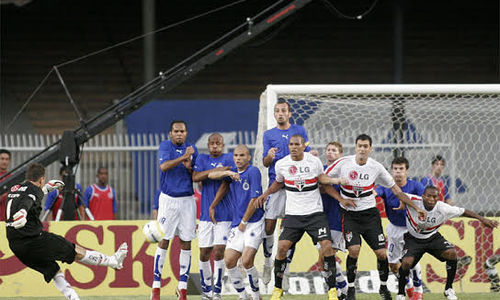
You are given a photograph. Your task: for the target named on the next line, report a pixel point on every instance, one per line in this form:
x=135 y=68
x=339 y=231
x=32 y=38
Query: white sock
x=340 y=280
x=267 y=246
x=96 y=258
x=236 y=279
x=206 y=276
x=64 y=287
x=185 y=265
x=159 y=260
x=219 y=267
x=416 y=274
x=253 y=279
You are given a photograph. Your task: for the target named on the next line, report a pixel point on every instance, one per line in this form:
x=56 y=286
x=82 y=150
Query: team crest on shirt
x=353 y=175
x=348 y=236
x=15 y=188
x=299 y=184
x=357 y=190
x=292 y=170
x=246 y=186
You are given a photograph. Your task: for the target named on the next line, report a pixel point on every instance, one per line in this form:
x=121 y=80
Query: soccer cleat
x=217 y=297
x=450 y=294
x=409 y=292
x=266 y=274
x=119 y=256
x=71 y=294
x=277 y=293
x=400 y=297
x=384 y=293
x=155 y=294
x=181 y=294
x=285 y=284
x=417 y=296
x=332 y=294
x=207 y=296
x=343 y=297
x=351 y=293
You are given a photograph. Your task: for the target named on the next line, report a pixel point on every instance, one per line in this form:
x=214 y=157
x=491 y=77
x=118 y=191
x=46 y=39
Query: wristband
x=243 y=222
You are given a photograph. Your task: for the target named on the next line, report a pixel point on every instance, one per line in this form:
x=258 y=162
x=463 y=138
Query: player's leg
x=450 y=256
x=234 y=248
x=338 y=243
x=92 y=257
x=221 y=232
x=413 y=249
x=205 y=243
x=404 y=269
x=492 y=272
x=351 y=231
x=64 y=287
x=253 y=239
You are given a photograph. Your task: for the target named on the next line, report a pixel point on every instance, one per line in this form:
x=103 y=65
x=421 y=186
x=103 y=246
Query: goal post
x=459 y=122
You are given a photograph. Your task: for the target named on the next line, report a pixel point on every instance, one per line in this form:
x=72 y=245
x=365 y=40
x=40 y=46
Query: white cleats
x=119 y=256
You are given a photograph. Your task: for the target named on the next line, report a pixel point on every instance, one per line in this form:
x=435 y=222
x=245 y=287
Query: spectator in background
x=100 y=198
x=54 y=200
x=436 y=179
x=4 y=167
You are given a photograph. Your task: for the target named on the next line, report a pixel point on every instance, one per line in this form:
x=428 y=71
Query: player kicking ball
x=423 y=237
x=40 y=249
x=300 y=174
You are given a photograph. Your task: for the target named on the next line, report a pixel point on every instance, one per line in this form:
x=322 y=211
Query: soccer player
x=363 y=219
x=275 y=142
x=397 y=223
x=435 y=179
x=212 y=236
x=300 y=174
x=331 y=207
x=247 y=224
x=177 y=206
x=423 y=237
x=55 y=198
x=100 y=198
x=38 y=249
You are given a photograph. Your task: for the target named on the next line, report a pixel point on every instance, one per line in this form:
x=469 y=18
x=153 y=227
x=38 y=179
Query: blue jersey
x=331 y=207
x=242 y=191
x=223 y=211
x=54 y=195
x=277 y=138
x=177 y=181
x=398 y=217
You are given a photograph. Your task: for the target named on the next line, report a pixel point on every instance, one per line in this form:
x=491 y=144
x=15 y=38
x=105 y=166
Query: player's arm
x=221 y=192
x=276 y=186
x=170 y=164
x=19 y=215
x=251 y=208
x=487 y=222
x=269 y=152
x=396 y=190
x=336 y=195
x=325 y=179
x=215 y=174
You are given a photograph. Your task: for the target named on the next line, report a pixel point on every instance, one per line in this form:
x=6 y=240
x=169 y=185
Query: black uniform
x=35 y=248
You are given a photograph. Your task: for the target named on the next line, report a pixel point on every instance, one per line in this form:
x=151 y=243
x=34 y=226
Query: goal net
x=459 y=122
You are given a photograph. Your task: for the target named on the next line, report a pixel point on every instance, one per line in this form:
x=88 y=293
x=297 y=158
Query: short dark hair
x=2 y=151
x=336 y=144
x=281 y=101
x=437 y=158
x=364 y=137
x=62 y=169
x=430 y=187
x=302 y=139
x=177 y=122
x=35 y=172
x=399 y=161
x=100 y=168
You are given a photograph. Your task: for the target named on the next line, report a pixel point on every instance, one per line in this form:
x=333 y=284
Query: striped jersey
x=301 y=184
x=362 y=180
x=435 y=217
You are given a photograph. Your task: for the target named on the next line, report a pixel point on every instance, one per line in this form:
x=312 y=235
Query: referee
x=40 y=249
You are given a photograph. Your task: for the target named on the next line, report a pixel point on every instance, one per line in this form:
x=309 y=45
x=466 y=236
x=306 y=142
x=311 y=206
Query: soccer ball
x=152 y=232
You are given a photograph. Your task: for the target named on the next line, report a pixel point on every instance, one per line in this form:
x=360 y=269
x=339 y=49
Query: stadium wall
x=136 y=277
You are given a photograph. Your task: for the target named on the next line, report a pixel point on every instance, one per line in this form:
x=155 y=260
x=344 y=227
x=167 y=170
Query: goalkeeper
x=40 y=249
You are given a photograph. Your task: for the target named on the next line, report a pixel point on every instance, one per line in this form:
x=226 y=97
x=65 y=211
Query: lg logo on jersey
x=293 y=170
x=354 y=175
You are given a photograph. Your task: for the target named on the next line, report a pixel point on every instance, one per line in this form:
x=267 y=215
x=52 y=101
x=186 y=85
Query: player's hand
x=314 y=152
x=52 y=185
x=259 y=202
x=189 y=151
x=234 y=175
x=343 y=181
x=242 y=227
x=211 y=212
x=19 y=219
x=348 y=203
x=400 y=207
x=422 y=215
x=272 y=152
x=490 y=223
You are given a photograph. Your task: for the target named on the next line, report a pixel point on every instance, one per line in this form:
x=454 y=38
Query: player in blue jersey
x=396 y=228
x=177 y=207
x=275 y=148
x=247 y=223
x=212 y=236
x=331 y=207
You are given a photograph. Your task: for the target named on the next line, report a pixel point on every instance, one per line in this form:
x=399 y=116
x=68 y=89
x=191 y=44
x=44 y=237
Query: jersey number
x=8 y=209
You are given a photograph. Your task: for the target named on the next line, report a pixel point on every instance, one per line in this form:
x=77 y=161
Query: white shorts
x=395 y=242
x=210 y=234
x=252 y=237
x=275 y=205
x=338 y=241
x=177 y=216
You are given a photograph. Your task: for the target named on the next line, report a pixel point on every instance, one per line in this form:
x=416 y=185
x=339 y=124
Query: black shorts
x=316 y=225
x=40 y=253
x=364 y=223
x=416 y=248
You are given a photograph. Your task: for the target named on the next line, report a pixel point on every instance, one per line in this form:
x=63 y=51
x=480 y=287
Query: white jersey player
x=423 y=237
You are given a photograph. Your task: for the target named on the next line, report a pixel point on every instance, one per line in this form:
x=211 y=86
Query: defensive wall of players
x=469 y=237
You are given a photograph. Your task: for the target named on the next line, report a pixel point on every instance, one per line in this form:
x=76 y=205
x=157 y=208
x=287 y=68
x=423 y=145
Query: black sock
x=383 y=269
x=351 y=265
x=330 y=270
x=279 y=269
x=451 y=270
x=403 y=274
